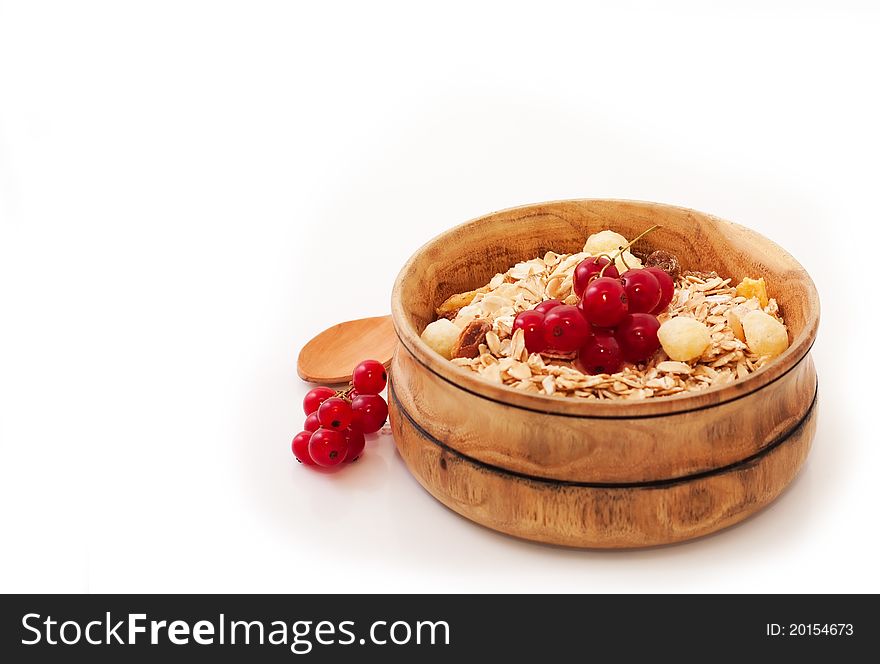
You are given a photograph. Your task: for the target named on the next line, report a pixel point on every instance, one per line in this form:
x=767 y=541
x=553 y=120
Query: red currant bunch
x=623 y=311
x=336 y=422
x=615 y=320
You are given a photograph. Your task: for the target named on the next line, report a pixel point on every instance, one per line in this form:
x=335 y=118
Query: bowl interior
x=469 y=255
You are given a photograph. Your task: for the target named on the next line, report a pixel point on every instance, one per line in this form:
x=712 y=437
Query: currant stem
x=602 y=271
x=620 y=250
x=638 y=237
x=345 y=394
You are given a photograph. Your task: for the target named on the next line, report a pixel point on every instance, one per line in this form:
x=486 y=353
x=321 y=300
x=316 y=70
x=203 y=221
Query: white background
x=190 y=190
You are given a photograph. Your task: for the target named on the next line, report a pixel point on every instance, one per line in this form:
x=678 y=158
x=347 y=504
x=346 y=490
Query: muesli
x=605 y=323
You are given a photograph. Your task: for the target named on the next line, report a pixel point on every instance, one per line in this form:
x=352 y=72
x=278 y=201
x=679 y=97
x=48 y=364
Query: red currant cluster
x=614 y=321
x=337 y=421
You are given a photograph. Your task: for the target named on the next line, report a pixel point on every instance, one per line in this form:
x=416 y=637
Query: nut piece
x=665 y=261
x=452 y=304
x=764 y=334
x=632 y=263
x=684 y=338
x=442 y=336
x=670 y=366
x=734 y=322
x=737 y=313
x=674 y=367
x=749 y=288
x=468 y=342
x=604 y=242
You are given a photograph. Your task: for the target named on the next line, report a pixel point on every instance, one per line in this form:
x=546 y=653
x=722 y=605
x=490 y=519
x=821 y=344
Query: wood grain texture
x=587 y=449
x=521 y=461
x=330 y=357
x=605 y=516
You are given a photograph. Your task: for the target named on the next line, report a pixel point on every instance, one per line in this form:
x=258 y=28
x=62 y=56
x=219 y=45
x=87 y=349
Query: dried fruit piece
x=468 y=343
x=749 y=288
x=442 y=336
x=455 y=302
x=684 y=338
x=764 y=334
x=665 y=261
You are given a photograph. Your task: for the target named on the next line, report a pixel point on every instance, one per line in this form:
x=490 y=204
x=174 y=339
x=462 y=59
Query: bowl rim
x=410 y=339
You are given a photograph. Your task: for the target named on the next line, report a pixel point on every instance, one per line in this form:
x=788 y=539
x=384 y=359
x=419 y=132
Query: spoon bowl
x=331 y=356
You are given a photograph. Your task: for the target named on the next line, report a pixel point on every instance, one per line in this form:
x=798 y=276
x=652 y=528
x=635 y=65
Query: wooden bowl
x=606 y=474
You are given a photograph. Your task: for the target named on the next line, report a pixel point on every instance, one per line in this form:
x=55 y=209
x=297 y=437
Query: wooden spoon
x=330 y=357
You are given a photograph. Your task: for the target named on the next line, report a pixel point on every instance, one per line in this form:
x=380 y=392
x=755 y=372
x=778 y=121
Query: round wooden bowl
x=604 y=474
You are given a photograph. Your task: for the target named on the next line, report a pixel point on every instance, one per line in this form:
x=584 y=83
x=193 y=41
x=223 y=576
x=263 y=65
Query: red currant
x=369 y=412
x=588 y=269
x=642 y=291
x=315 y=398
x=335 y=413
x=604 y=303
x=328 y=447
x=637 y=337
x=565 y=329
x=601 y=354
x=532 y=325
x=356 y=443
x=312 y=423
x=369 y=377
x=667 y=288
x=300 y=447
x=547 y=305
